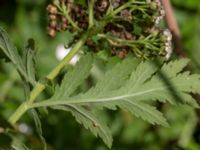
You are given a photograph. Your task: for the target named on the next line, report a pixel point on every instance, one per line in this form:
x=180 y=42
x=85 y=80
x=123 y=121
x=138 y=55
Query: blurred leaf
x=4 y=124
x=11 y=52
x=190 y=4
x=29 y=59
x=195 y=40
x=81 y=2
x=39 y=127
x=5 y=141
x=17 y=144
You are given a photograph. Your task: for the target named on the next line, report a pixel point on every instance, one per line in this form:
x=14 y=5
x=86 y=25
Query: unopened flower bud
x=64 y=27
x=51 y=32
x=77 y=9
x=153 y=5
x=64 y=19
x=52 y=17
x=103 y=5
x=53 y=24
x=70 y=1
x=51 y=9
x=128 y=36
x=58 y=28
x=155 y=31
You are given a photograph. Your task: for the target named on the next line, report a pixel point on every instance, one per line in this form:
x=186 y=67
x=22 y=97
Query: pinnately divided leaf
x=132 y=89
x=90 y=120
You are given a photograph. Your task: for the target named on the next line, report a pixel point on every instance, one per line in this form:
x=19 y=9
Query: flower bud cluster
x=61 y=12
x=128 y=26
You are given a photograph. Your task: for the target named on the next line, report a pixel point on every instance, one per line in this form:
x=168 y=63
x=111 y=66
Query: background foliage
x=24 y=19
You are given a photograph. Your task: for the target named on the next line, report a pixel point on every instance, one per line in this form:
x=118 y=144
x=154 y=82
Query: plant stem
x=40 y=87
x=91 y=13
x=74 y=25
x=18 y=113
x=65 y=12
x=119 y=9
x=123 y=41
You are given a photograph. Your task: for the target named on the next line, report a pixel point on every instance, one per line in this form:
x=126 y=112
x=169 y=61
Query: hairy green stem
x=18 y=113
x=40 y=87
x=91 y=13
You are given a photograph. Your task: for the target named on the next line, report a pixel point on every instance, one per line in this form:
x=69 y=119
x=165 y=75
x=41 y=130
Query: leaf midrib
x=96 y=100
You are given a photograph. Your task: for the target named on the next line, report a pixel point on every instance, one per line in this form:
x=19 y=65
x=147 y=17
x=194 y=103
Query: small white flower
x=61 y=52
x=157 y=20
x=162 y=12
x=168 y=50
x=158 y=3
x=168 y=34
x=168 y=43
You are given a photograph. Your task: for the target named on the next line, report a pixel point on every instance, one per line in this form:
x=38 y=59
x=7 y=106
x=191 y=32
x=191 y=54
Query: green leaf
x=39 y=127
x=4 y=124
x=71 y=81
x=173 y=68
x=90 y=120
x=29 y=59
x=11 y=53
x=17 y=144
x=134 y=88
x=74 y=78
x=114 y=78
x=5 y=141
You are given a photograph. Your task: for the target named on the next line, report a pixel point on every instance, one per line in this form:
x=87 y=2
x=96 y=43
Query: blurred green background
x=24 y=19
